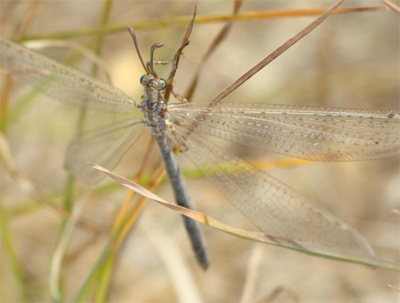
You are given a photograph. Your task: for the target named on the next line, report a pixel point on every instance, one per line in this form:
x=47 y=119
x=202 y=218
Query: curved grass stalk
x=120 y=231
x=313 y=250
x=184 y=20
x=58 y=256
x=107 y=267
x=70 y=186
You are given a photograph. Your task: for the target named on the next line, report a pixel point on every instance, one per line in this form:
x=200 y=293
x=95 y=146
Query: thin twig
x=271 y=57
x=132 y=218
x=129 y=195
x=183 y=21
x=393 y=6
x=4 y=101
x=28 y=20
x=7 y=81
x=395 y=288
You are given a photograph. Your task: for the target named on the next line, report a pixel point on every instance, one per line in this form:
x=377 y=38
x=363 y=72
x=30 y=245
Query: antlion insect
x=313 y=133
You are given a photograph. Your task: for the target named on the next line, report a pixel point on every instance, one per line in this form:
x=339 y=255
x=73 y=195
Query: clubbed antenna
x=132 y=32
x=153 y=48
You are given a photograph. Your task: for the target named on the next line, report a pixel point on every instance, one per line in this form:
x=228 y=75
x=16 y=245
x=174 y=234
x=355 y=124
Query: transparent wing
x=313 y=133
x=270 y=205
x=105 y=147
x=62 y=82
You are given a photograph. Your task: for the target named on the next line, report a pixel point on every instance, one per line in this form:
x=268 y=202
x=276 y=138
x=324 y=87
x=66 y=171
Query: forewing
x=105 y=147
x=312 y=133
x=60 y=81
x=270 y=205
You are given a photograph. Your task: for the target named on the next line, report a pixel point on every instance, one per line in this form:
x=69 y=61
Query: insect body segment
x=154 y=105
x=151 y=81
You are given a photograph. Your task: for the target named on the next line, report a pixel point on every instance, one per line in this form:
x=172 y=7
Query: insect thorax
x=154 y=109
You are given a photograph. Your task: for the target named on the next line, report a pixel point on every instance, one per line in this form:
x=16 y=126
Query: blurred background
x=351 y=61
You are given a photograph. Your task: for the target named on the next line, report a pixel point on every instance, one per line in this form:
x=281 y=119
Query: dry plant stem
x=313 y=250
x=130 y=194
x=183 y=21
x=7 y=81
x=271 y=57
x=393 y=6
x=159 y=174
x=395 y=288
x=29 y=18
x=108 y=256
x=122 y=214
x=157 y=177
x=214 y=45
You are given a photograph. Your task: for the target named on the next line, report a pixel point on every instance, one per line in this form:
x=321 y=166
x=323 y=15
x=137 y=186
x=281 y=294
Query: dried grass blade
x=123 y=211
x=280 y=50
x=395 y=288
x=393 y=6
x=251 y=235
x=29 y=19
x=207 y=19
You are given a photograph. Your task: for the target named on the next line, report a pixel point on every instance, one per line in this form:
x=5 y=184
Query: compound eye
x=162 y=84
x=142 y=78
